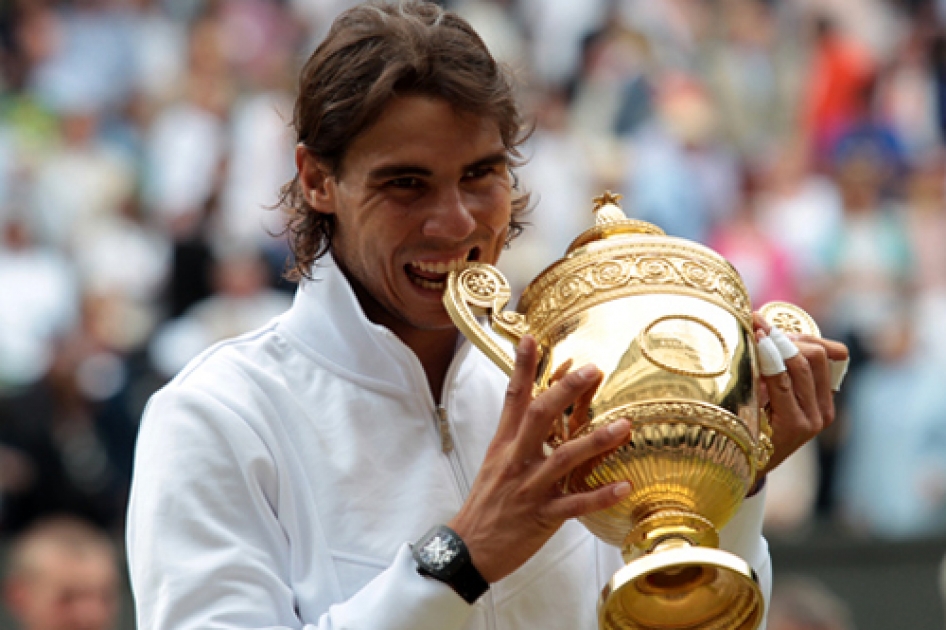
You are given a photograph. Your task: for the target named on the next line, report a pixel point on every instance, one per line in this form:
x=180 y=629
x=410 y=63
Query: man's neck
x=435 y=350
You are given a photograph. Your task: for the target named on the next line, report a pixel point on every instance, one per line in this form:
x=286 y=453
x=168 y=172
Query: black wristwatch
x=441 y=554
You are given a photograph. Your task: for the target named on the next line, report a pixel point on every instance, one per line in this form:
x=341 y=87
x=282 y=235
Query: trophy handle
x=790 y=318
x=480 y=290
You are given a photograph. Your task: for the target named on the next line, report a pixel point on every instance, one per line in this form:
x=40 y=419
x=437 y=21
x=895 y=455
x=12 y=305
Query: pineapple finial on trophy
x=607 y=209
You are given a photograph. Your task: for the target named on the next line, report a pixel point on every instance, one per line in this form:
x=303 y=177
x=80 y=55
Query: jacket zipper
x=446 y=438
x=448 y=446
x=447 y=443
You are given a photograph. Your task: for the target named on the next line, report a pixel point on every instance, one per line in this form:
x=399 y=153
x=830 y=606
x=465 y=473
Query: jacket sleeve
x=743 y=536
x=206 y=550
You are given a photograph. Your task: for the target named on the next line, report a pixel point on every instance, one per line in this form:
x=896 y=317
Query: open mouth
x=433 y=275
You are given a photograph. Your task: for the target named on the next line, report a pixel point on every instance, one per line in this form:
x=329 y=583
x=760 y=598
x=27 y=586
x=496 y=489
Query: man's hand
x=516 y=503
x=800 y=398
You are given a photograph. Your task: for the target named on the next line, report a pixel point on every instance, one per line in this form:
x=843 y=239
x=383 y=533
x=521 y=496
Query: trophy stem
x=667 y=525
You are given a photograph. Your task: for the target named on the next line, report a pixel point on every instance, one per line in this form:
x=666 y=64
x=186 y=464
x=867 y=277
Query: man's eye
x=477 y=173
x=405 y=182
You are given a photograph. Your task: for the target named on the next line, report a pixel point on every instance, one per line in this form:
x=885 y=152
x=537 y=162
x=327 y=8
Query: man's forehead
x=434 y=115
x=417 y=135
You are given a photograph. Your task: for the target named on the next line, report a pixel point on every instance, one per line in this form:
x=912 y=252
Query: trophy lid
x=611 y=222
x=648 y=259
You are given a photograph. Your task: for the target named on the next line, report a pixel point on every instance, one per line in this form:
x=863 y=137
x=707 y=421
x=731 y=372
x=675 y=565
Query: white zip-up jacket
x=280 y=478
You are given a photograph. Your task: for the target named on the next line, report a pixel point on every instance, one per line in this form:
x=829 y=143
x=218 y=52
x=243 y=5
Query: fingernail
x=523 y=347
x=786 y=348
x=622 y=489
x=588 y=372
x=770 y=360
x=620 y=427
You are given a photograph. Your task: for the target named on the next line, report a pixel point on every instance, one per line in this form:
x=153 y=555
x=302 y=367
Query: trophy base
x=683 y=588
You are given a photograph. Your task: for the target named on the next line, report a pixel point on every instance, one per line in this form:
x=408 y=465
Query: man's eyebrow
x=398 y=170
x=413 y=170
x=496 y=159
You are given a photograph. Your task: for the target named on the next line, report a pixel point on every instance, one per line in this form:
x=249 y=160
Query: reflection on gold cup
x=669 y=323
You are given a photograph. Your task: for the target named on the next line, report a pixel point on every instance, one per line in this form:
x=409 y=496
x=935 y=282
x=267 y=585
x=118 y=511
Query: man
x=282 y=477
x=62 y=575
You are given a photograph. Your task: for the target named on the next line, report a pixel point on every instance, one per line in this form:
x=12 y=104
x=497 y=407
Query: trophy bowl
x=669 y=324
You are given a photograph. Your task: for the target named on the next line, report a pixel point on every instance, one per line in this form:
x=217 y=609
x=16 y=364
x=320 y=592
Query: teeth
x=427 y=284
x=440 y=267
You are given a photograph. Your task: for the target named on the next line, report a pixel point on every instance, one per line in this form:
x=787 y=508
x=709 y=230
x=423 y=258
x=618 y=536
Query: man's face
x=66 y=592
x=423 y=190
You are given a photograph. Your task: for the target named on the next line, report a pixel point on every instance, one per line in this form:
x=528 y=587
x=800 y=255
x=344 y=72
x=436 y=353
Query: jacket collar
x=328 y=320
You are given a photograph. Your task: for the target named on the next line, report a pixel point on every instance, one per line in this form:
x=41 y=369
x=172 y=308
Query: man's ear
x=316 y=181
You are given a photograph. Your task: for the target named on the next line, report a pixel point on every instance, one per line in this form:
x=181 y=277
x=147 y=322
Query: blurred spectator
x=791 y=494
x=907 y=96
x=559 y=172
x=866 y=277
x=90 y=65
x=802 y=603
x=755 y=77
x=187 y=142
x=502 y=35
x=28 y=128
x=71 y=447
x=875 y=26
x=318 y=16
x=762 y=262
x=767 y=270
x=800 y=209
x=62 y=574
x=557 y=28
x=189 y=278
x=613 y=92
x=680 y=176
x=869 y=261
x=126 y=261
x=81 y=182
x=892 y=470
x=840 y=69
x=160 y=51
x=937 y=54
x=260 y=162
x=241 y=302
x=675 y=28
x=926 y=223
x=45 y=306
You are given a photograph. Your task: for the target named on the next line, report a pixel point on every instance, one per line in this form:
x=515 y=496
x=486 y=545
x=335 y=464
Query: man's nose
x=451 y=217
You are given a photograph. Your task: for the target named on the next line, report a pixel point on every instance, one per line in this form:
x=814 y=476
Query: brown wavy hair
x=373 y=53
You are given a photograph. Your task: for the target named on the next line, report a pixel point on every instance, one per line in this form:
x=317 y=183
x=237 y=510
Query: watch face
x=439 y=551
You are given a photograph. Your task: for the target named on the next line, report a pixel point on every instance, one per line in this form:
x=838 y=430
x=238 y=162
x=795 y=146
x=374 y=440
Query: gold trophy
x=669 y=323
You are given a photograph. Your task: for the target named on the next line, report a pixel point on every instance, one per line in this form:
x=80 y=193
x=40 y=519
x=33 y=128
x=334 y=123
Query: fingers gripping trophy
x=669 y=323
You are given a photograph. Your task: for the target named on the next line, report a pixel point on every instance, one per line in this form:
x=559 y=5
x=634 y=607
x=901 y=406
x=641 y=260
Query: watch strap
x=462 y=576
x=467 y=582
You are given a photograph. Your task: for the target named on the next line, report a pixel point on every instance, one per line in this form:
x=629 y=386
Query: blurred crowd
x=143 y=145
